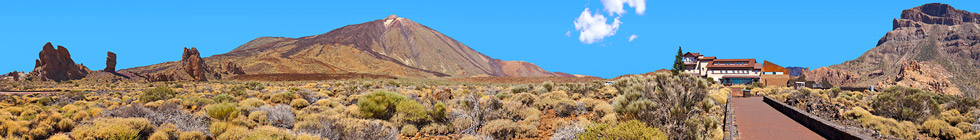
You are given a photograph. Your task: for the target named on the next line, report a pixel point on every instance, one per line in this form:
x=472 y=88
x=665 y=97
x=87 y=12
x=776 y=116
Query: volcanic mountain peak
x=393 y=46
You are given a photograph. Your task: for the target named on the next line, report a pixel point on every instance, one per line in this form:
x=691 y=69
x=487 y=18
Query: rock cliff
x=933 y=46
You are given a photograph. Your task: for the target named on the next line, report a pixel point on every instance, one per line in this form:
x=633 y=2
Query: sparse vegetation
x=679 y=106
x=157 y=93
x=896 y=112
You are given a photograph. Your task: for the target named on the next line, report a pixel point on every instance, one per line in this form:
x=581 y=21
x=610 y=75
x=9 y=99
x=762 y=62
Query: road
x=756 y=120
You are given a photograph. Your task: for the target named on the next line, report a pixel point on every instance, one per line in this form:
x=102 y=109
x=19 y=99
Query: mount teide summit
x=933 y=46
x=391 y=46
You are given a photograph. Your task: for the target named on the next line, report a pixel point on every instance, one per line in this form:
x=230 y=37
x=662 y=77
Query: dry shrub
x=260 y=117
x=346 y=128
x=953 y=117
x=887 y=126
x=409 y=130
x=506 y=129
x=113 y=128
x=191 y=135
x=168 y=113
x=269 y=132
x=279 y=115
x=164 y=132
x=299 y=103
x=222 y=111
x=435 y=129
x=629 y=130
x=250 y=103
x=59 y=136
x=282 y=97
x=568 y=132
x=158 y=93
x=940 y=129
x=526 y=99
x=233 y=132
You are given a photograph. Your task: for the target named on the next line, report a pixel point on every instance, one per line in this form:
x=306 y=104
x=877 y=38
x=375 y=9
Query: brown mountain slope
x=933 y=46
x=391 y=46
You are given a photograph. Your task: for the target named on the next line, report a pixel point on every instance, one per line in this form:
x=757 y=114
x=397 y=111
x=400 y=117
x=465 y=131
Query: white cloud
x=593 y=27
x=616 y=6
x=568 y=34
x=632 y=37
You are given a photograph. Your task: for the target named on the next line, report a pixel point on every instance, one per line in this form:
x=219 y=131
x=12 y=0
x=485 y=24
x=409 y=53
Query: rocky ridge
x=933 y=46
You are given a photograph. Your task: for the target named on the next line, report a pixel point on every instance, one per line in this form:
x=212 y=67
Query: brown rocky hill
x=391 y=46
x=933 y=46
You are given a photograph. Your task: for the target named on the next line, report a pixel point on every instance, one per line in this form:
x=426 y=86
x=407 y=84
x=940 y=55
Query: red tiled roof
x=708 y=58
x=750 y=63
x=694 y=54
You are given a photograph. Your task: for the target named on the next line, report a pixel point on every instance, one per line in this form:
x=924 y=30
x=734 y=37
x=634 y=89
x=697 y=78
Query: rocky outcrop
x=110 y=62
x=924 y=75
x=160 y=77
x=834 y=76
x=933 y=47
x=937 y=13
x=231 y=68
x=194 y=65
x=13 y=76
x=57 y=65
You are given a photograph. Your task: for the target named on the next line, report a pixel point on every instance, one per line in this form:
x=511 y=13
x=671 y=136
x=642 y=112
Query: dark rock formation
x=194 y=65
x=231 y=68
x=57 y=65
x=110 y=62
x=937 y=13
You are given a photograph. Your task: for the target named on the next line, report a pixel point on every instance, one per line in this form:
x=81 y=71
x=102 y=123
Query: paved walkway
x=756 y=120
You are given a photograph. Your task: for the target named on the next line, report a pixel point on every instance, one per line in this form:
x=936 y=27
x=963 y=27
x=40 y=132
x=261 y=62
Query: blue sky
x=789 y=33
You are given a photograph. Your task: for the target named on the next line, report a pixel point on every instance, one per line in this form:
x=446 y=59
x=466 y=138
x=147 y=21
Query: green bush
x=222 y=111
x=630 y=130
x=223 y=98
x=158 y=93
x=629 y=106
x=411 y=111
x=904 y=103
x=438 y=112
x=45 y=101
x=548 y=85
x=379 y=104
x=236 y=90
x=255 y=85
